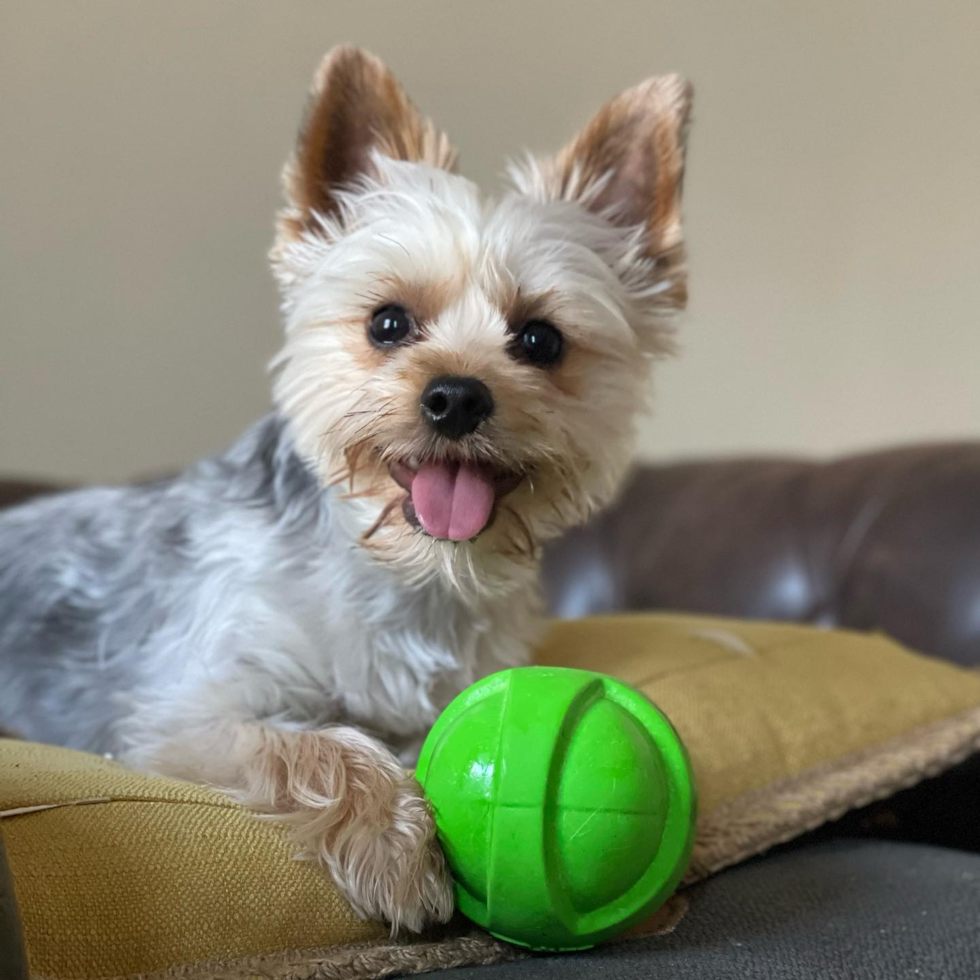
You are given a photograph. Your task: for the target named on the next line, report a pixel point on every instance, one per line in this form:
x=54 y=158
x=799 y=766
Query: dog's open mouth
x=452 y=500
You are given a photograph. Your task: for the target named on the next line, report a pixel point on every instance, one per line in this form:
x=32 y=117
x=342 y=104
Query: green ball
x=564 y=801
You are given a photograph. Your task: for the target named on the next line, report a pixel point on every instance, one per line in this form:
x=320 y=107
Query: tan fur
x=637 y=142
x=393 y=412
x=355 y=105
x=393 y=419
x=348 y=803
x=425 y=299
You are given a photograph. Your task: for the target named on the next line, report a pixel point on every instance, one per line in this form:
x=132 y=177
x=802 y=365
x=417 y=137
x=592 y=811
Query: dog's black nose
x=454 y=406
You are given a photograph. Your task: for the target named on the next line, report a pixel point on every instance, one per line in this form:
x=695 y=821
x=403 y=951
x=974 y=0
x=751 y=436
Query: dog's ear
x=356 y=107
x=628 y=163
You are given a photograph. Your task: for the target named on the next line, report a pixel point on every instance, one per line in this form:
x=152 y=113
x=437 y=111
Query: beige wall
x=833 y=199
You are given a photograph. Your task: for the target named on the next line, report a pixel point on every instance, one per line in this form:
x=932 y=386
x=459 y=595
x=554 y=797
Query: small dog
x=458 y=384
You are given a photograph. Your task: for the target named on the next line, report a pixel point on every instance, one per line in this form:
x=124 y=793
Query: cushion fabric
x=120 y=874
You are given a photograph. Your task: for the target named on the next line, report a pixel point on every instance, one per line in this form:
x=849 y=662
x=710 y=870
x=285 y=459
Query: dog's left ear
x=628 y=163
x=356 y=107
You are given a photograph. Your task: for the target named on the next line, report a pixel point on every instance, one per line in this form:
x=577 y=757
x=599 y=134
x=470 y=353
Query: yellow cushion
x=119 y=873
x=758 y=702
x=125 y=872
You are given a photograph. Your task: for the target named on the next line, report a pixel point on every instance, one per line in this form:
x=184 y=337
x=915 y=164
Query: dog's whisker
x=382 y=517
x=523 y=526
x=393 y=242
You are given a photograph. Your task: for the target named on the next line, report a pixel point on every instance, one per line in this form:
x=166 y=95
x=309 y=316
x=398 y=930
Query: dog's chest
x=389 y=661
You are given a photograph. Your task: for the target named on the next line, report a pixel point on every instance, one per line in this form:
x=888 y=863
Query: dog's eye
x=540 y=343
x=390 y=325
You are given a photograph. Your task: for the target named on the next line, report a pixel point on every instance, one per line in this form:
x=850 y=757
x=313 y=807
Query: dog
x=459 y=383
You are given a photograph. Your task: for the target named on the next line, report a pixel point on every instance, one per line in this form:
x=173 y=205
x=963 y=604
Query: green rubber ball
x=564 y=802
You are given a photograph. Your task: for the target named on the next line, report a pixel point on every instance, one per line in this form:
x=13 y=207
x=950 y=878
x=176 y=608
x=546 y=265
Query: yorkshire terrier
x=459 y=383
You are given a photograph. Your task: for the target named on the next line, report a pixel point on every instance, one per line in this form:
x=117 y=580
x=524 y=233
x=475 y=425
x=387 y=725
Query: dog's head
x=468 y=372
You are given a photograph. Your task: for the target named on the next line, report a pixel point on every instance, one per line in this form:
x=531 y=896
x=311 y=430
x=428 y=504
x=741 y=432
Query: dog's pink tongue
x=452 y=501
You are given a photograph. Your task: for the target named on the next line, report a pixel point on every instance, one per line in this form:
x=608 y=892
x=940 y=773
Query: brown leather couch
x=17 y=491
x=885 y=541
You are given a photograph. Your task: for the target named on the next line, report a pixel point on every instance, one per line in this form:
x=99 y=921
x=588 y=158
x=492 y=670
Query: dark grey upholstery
x=841 y=910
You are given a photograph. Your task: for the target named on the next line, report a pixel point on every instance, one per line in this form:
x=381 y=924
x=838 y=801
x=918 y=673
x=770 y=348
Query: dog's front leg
x=347 y=801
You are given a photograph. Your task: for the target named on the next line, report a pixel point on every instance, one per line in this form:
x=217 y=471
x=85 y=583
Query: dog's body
x=128 y=615
x=458 y=384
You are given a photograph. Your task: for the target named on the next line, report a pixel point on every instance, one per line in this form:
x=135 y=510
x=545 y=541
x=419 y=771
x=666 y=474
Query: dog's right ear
x=356 y=107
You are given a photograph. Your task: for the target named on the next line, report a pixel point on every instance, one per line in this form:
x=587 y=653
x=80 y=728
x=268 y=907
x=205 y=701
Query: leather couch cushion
x=884 y=541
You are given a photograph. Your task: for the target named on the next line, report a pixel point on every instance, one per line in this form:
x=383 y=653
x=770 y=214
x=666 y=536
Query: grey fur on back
x=88 y=578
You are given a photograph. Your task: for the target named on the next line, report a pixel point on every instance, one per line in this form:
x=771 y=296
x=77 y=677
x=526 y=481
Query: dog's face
x=468 y=372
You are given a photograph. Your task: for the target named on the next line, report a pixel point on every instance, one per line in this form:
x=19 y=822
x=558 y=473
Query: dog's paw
x=351 y=808
x=393 y=868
